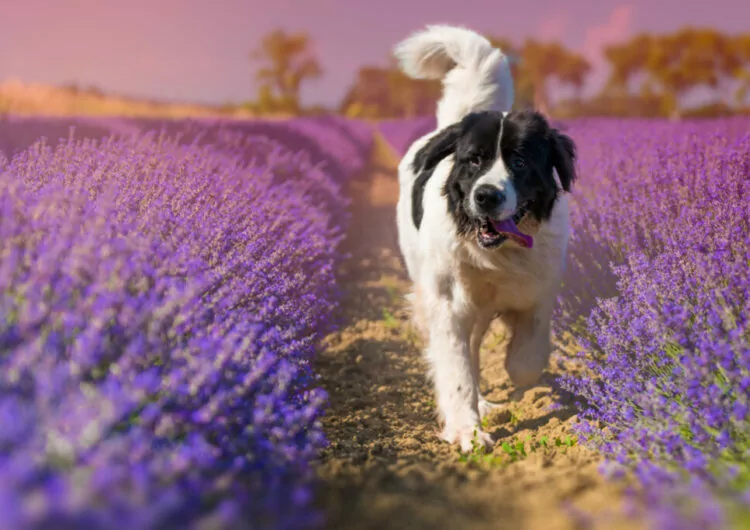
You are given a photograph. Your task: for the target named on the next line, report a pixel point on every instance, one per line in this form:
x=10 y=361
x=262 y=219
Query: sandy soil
x=386 y=467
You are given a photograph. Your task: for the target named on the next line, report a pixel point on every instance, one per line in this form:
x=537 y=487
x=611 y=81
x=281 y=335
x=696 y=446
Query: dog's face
x=502 y=173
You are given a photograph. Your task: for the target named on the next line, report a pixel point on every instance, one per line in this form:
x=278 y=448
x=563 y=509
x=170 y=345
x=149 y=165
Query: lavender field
x=664 y=213
x=161 y=303
x=167 y=288
x=654 y=315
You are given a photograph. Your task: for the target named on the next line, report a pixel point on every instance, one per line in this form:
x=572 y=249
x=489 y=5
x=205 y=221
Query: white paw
x=468 y=437
x=485 y=407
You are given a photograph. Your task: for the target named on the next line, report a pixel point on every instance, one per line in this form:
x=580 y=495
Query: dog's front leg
x=482 y=323
x=449 y=355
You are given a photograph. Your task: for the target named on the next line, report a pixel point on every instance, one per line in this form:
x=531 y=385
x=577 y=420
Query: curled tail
x=475 y=75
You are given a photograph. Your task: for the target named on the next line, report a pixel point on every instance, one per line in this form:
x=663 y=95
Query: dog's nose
x=488 y=198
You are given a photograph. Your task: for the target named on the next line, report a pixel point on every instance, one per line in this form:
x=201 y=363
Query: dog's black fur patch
x=525 y=135
x=417 y=193
x=424 y=163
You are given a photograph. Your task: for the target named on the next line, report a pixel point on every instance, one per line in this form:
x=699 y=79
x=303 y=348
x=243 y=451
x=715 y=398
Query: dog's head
x=502 y=173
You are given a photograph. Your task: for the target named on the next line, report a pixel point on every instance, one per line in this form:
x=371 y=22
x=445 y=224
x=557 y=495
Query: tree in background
x=741 y=46
x=628 y=62
x=379 y=92
x=524 y=90
x=4 y=108
x=388 y=93
x=542 y=62
x=651 y=75
x=679 y=63
x=669 y=67
x=289 y=62
x=385 y=92
x=628 y=90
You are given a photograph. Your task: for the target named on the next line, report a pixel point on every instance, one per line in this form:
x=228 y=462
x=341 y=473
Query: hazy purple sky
x=198 y=49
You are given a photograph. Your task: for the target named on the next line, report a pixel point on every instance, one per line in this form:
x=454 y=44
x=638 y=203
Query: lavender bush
x=341 y=146
x=19 y=132
x=161 y=305
x=667 y=345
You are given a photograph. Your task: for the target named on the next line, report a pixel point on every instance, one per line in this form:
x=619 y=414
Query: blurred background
x=247 y=58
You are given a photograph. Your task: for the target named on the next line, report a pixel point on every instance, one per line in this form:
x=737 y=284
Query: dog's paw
x=485 y=407
x=468 y=438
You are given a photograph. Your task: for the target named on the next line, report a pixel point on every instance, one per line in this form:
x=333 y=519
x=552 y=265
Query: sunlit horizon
x=198 y=52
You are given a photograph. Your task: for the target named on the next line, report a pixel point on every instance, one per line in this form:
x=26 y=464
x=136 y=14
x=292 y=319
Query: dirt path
x=386 y=468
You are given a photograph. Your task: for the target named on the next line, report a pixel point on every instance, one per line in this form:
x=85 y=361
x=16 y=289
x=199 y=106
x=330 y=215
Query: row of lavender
x=657 y=297
x=341 y=146
x=662 y=222
x=161 y=300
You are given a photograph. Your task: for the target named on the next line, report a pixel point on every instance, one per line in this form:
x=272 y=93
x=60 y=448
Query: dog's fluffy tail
x=475 y=75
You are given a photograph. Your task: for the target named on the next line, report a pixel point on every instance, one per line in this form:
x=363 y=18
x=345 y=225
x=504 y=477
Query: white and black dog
x=482 y=221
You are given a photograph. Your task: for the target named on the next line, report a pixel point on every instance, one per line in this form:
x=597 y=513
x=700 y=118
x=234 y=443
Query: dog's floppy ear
x=563 y=158
x=437 y=148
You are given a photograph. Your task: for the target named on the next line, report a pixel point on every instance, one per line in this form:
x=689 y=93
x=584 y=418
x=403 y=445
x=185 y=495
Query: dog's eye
x=518 y=163
x=475 y=161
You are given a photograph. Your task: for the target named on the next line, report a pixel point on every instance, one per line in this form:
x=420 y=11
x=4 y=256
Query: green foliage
x=390 y=321
x=515 y=449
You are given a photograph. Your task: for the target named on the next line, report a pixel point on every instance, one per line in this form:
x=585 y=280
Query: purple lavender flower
x=162 y=301
x=661 y=234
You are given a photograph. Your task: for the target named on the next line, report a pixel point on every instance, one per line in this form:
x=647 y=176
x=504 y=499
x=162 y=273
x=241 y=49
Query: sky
x=198 y=50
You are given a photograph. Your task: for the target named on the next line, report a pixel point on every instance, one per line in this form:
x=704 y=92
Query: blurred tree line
x=287 y=60
x=650 y=75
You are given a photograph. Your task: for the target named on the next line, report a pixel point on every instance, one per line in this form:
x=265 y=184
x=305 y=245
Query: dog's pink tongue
x=509 y=228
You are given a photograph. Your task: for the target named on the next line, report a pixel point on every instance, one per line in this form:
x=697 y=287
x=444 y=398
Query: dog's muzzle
x=493 y=231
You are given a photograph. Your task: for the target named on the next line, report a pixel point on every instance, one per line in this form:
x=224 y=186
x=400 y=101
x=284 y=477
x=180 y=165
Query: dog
x=483 y=222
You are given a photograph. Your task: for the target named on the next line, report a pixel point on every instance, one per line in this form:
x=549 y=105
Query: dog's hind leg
x=530 y=346
x=477 y=336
